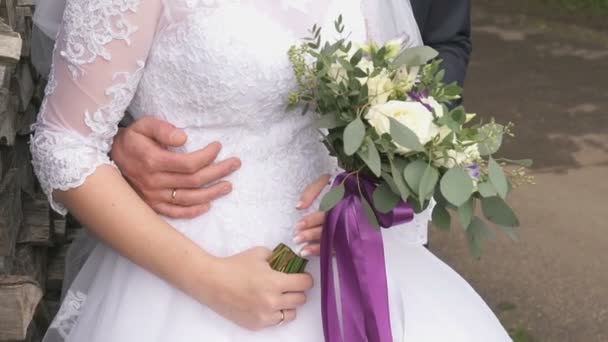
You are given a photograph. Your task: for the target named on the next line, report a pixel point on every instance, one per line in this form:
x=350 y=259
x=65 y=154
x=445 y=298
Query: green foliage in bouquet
x=384 y=113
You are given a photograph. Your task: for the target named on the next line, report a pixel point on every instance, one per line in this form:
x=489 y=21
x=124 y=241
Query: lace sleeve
x=97 y=64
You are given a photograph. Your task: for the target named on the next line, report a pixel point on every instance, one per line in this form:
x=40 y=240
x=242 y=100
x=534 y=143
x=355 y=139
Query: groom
x=175 y=184
x=183 y=185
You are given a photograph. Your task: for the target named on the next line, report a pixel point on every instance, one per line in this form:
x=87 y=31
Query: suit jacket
x=445 y=25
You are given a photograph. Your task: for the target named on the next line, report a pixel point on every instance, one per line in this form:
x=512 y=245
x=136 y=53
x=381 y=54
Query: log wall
x=32 y=239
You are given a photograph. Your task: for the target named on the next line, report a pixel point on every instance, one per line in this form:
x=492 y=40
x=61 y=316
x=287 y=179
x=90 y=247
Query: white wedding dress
x=219 y=70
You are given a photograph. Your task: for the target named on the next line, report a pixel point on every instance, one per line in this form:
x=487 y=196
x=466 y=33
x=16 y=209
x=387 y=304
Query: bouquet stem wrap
x=359 y=254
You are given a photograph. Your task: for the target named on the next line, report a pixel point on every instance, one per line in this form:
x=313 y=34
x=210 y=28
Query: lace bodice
x=216 y=68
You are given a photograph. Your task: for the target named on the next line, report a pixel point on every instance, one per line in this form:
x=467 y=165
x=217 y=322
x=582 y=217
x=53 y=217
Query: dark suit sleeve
x=447 y=28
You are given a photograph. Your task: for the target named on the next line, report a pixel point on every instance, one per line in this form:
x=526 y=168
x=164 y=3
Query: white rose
x=437 y=107
x=443 y=131
x=413 y=115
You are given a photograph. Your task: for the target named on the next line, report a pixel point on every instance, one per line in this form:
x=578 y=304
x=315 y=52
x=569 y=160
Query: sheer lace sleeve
x=98 y=60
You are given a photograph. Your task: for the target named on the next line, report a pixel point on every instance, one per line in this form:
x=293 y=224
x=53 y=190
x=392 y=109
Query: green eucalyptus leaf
x=490 y=138
x=356 y=57
x=372 y=158
x=428 y=182
x=388 y=178
x=345 y=64
x=358 y=72
x=498 y=178
x=456 y=186
x=353 y=136
x=405 y=136
x=332 y=198
x=416 y=56
x=369 y=213
x=441 y=217
x=413 y=174
x=385 y=199
x=497 y=211
x=510 y=231
x=476 y=232
x=330 y=121
x=458 y=115
x=397 y=167
x=486 y=189
x=466 y=213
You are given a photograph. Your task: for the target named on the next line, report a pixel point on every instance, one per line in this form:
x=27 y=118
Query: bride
x=220 y=67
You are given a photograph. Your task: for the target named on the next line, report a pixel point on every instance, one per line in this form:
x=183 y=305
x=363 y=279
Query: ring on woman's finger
x=173 y=195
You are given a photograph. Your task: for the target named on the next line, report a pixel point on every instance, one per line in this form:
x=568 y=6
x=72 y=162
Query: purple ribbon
x=359 y=255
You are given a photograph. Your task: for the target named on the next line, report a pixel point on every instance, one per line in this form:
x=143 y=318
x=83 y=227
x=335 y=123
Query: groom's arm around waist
x=445 y=25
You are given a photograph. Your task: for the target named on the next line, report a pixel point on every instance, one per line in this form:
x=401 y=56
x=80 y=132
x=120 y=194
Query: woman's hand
x=247 y=291
x=310 y=227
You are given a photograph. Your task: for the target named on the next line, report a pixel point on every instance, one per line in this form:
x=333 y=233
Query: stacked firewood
x=32 y=239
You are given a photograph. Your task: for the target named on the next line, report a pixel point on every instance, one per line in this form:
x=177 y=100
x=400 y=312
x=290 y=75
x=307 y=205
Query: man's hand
x=174 y=184
x=310 y=227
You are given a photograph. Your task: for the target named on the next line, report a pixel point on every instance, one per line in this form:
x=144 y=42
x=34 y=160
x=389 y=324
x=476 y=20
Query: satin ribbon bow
x=359 y=255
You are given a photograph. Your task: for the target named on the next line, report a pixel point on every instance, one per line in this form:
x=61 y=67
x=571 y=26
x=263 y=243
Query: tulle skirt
x=113 y=299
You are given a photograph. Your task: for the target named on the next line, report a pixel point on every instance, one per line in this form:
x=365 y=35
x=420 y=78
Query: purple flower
x=474 y=171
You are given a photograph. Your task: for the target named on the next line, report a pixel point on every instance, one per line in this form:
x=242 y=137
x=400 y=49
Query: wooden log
x=24 y=121
x=31 y=261
x=59 y=228
x=6 y=76
x=56 y=268
x=36 y=226
x=10 y=47
x=8 y=117
x=7 y=10
x=24 y=85
x=29 y=3
x=23 y=162
x=6 y=265
x=19 y=297
x=23 y=25
x=10 y=212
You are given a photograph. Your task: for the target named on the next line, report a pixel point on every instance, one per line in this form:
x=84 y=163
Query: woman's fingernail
x=300 y=225
x=298 y=239
x=177 y=136
x=305 y=253
x=299 y=205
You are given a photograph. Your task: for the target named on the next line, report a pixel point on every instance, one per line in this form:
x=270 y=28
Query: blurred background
x=544 y=66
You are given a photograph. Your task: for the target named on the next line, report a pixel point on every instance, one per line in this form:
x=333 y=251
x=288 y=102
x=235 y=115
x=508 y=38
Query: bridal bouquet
x=384 y=113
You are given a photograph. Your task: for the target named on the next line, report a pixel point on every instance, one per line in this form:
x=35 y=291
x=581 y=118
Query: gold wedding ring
x=282 y=318
x=173 y=195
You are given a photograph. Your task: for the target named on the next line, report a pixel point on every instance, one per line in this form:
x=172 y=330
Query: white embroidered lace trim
x=63 y=159
x=68 y=313
x=104 y=121
x=86 y=39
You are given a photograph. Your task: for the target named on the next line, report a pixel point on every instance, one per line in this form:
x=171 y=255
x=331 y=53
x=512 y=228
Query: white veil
x=397 y=17
x=47 y=19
